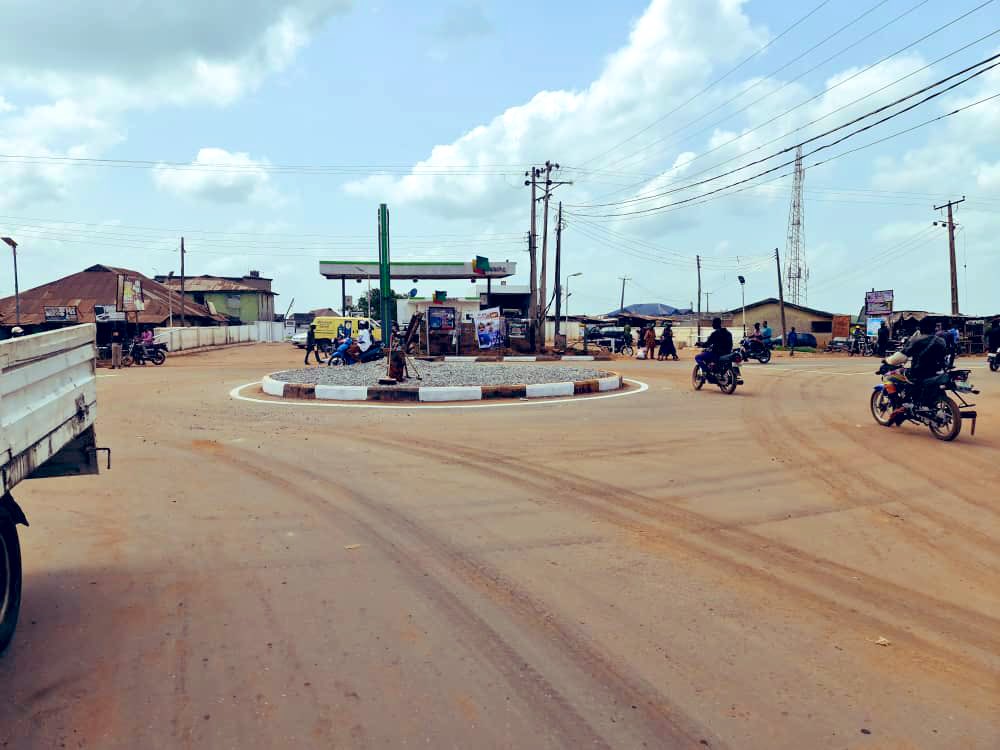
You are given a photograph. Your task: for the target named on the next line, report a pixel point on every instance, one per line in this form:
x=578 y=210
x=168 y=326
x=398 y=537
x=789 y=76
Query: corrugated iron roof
x=214 y=284
x=98 y=285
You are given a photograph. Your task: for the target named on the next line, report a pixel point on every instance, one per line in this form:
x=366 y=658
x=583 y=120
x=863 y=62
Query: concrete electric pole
x=951 y=250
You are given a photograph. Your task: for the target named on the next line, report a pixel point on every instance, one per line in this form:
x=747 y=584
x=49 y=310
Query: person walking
x=311 y=345
x=667 y=348
x=650 y=341
x=883 y=339
x=793 y=340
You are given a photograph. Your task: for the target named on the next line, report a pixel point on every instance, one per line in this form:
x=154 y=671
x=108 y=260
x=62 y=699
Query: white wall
x=196 y=337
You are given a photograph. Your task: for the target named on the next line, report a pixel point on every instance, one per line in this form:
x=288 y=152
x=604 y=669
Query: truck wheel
x=10 y=581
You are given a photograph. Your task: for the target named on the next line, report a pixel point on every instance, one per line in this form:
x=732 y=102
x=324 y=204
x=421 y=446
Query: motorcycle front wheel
x=727 y=381
x=881 y=407
x=627 y=350
x=946 y=421
x=697 y=378
x=157 y=357
x=995 y=363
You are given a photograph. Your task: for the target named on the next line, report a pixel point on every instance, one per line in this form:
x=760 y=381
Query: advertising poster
x=873 y=325
x=107 y=314
x=61 y=315
x=130 y=294
x=878 y=303
x=487 y=324
x=441 y=318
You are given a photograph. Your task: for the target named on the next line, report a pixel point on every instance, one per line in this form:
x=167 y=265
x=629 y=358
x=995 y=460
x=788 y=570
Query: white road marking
x=235 y=394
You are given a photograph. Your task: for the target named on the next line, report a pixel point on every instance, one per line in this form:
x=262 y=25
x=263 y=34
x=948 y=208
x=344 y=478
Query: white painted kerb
x=342 y=392
x=609 y=383
x=273 y=387
x=541 y=390
x=578 y=358
x=520 y=359
x=451 y=393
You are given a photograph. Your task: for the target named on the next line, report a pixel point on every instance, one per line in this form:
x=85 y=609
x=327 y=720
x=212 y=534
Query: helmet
x=17 y=331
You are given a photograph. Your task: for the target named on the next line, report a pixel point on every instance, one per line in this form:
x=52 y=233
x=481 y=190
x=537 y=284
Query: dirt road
x=669 y=569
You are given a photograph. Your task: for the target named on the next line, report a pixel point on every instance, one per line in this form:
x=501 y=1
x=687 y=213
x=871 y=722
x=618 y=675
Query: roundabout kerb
x=441 y=382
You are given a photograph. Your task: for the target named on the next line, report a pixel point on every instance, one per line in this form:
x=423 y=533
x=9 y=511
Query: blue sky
x=329 y=82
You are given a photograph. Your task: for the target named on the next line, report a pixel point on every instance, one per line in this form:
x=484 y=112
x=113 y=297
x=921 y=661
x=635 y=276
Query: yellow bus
x=328 y=328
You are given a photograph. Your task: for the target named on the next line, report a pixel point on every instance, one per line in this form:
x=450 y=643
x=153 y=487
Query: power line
x=824 y=134
x=656 y=209
x=710 y=86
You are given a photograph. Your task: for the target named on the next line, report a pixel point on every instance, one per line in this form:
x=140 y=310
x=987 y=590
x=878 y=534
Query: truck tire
x=10 y=581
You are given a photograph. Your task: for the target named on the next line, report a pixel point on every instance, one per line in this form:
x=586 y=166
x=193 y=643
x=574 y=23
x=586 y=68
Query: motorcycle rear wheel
x=697 y=378
x=881 y=407
x=995 y=363
x=726 y=381
x=765 y=357
x=951 y=424
x=627 y=350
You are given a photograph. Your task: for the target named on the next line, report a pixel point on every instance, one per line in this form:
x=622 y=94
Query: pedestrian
x=650 y=341
x=883 y=339
x=667 y=348
x=793 y=340
x=311 y=345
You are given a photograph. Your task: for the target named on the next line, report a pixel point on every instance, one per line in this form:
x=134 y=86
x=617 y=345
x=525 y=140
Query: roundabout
x=441 y=382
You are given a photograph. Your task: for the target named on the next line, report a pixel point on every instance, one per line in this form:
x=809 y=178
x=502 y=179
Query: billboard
x=130 y=294
x=441 y=318
x=107 y=314
x=878 y=303
x=873 y=325
x=62 y=315
x=487 y=324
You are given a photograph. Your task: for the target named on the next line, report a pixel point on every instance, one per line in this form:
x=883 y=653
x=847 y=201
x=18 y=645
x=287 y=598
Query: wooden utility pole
x=623 y=279
x=182 y=282
x=781 y=299
x=543 y=280
x=951 y=252
x=558 y=284
x=697 y=260
x=532 y=258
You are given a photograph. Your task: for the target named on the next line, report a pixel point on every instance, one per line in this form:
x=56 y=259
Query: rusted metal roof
x=214 y=284
x=98 y=285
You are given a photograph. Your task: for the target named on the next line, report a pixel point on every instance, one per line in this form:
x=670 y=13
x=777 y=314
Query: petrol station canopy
x=428 y=270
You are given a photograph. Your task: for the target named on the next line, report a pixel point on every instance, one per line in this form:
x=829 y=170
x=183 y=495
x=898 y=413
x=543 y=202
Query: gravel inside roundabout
x=444 y=374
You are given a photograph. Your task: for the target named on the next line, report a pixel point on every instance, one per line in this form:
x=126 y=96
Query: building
x=804 y=319
x=241 y=299
x=90 y=296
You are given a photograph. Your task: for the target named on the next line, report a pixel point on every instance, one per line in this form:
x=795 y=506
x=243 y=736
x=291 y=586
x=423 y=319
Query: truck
x=48 y=406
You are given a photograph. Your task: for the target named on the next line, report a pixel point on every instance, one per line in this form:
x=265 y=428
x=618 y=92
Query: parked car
x=804 y=339
x=839 y=344
x=612 y=337
x=299 y=339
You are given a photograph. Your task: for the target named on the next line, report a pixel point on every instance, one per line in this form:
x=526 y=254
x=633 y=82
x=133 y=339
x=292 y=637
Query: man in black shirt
x=719 y=344
x=927 y=353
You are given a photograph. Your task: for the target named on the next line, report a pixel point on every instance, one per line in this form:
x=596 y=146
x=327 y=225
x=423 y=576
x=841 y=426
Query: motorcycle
x=861 y=346
x=893 y=401
x=155 y=353
x=994 y=360
x=725 y=373
x=374 y=352
x=752 y=349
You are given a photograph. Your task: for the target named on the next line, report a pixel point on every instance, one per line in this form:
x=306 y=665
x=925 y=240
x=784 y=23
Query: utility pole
x=781 y=299
x=697 y=260
x=182 y=282
x=550 y=185
x=170 y=297
x=17 y=290
x=532 y=257
x=558 y=285
x=624 y=279
x=708 y=307
x=951 y=251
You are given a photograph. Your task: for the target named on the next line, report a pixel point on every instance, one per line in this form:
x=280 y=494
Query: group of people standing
x=648 y=341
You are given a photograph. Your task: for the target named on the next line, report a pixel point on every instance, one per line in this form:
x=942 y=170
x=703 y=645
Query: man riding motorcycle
x=718 y=345
x=928 y=354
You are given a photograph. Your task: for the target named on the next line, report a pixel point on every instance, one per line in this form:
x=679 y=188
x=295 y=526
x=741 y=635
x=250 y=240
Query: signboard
x=487 y=324
x=873 y=325
x=441 y=318
x=517 y=328
x=107 y=314
x=878 y=303
x=62 y=315
x=130 y=294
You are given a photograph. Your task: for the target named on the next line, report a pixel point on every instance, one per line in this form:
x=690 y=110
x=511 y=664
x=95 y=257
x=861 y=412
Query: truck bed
x=48 y=395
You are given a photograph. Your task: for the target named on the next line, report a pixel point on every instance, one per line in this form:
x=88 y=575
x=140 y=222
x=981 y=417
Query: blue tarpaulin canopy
x=652 y=309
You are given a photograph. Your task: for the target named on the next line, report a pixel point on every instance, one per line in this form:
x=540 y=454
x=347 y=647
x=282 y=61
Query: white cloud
x=245 y=180
x=669 y=57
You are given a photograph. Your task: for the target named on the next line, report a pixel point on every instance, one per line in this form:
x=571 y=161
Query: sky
x=266 y=132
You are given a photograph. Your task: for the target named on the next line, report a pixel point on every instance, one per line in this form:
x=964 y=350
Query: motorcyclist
x=928 y=354
x=718 y=345
x=993 y=337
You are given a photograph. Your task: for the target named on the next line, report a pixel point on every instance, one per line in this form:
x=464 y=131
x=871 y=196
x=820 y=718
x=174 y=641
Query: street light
x=17 y=291
x=743 y=296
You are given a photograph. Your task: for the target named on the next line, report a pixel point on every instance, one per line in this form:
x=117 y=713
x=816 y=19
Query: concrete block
x=503 y=391
x=342 y=392
x=586 y=386
x=273 y=387
x=452 y=393
x=610 y=383
x=542 y=390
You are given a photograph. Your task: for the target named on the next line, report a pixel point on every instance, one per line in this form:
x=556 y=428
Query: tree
x=372 y=301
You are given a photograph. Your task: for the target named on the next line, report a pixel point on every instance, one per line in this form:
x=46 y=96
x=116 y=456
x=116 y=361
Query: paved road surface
x=666 y=570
